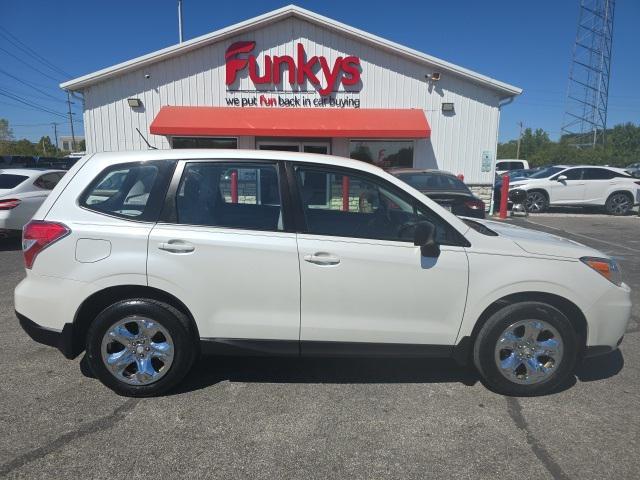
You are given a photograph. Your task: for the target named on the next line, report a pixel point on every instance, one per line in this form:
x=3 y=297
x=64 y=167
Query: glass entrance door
x=293 y=146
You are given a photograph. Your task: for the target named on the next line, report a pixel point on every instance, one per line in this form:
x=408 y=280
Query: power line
x=31 y=96
x=29 y=65
x=24 y=101
x=30 y=85
x=31 y=52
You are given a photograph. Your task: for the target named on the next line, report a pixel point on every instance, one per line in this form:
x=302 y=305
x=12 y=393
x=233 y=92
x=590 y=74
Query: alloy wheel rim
x=529 y=351
x=137 y=350
x=620 y=204
x=535 y=202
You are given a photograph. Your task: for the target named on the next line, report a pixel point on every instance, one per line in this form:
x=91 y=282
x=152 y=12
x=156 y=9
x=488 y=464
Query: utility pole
x=73 y=135
x=180 y=21
x=55 y=132
x=44 y=147
x=519 y=140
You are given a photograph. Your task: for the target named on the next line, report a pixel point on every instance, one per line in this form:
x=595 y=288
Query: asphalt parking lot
x=320 y=418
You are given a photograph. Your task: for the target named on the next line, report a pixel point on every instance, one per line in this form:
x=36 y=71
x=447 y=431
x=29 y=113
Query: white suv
x=608 y=187
x=145 y=259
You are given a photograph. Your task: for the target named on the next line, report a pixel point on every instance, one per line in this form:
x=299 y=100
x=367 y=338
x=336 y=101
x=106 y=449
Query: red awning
x=291 y=122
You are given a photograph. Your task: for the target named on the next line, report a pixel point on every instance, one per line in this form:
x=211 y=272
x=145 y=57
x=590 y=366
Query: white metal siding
x=388 y=81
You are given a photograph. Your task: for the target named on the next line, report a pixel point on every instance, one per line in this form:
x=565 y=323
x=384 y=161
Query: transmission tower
x=585 y=119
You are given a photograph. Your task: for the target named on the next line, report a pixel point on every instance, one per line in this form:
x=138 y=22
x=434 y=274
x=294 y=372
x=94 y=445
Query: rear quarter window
x=134 y=190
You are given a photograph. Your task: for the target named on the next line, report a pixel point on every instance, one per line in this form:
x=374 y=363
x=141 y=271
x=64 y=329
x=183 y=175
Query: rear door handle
x=322 y=258
x=176 y=246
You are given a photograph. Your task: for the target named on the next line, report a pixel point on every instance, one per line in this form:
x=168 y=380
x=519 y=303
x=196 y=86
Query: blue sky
x=525 y=43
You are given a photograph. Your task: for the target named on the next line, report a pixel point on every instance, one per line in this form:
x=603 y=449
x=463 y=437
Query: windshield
x=547 y=172
x=9 y=181
x=424 y=181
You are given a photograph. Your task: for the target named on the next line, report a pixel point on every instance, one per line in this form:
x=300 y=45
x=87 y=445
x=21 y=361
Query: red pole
x=345 y=193
x=234 y=186
x=504 y=196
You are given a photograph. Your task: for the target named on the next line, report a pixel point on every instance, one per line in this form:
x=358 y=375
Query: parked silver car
x=22 y=191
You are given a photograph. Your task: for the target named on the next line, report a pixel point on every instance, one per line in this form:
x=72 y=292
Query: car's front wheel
x=525 y=349
x=140 y=347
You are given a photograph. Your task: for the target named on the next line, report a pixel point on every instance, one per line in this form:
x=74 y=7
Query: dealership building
x=295 y=80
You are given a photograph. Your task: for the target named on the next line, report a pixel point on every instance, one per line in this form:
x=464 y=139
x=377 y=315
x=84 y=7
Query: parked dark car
x=444 y=188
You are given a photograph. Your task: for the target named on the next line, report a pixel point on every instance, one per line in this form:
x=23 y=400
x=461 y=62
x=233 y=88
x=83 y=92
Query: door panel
x=224 y=252
x=237 y=284
x=362 y=279
x=382 y=292
x=570 y=190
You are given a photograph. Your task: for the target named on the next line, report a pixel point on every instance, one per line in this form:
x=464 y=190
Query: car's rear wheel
x=140 y=347
x=526 y=349
x=619 y=204
x=537 y=202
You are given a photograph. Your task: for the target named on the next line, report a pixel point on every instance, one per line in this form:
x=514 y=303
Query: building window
x=204 y=142
x=383 y=153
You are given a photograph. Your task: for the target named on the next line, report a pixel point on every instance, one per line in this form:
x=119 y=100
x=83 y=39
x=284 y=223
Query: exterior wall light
x=134 y=102
x=447 y=107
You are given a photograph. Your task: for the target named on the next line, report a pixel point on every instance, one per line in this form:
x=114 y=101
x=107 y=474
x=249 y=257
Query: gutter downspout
x=501 y=103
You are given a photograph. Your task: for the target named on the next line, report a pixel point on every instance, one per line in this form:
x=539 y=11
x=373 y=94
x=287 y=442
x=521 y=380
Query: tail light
x=475 y=204
x=9 y=203
x=38 y=235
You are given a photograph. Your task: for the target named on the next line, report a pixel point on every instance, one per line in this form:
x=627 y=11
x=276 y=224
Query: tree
x=622 y=148
x=18 y=147
x=46 y=148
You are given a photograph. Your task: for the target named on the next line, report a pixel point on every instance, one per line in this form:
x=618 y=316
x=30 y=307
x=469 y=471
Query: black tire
x=484 y=352
x=619 y=203
x=176 y=324
x=537 y=201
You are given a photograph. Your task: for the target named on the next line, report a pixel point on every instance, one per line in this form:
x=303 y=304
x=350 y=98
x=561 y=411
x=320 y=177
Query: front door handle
x=176 y=246
x=322 y=258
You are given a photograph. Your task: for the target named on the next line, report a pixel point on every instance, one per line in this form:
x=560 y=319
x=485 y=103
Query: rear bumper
x=61 y=339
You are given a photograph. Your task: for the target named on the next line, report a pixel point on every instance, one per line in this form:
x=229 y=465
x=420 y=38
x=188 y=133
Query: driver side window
x=344 y=204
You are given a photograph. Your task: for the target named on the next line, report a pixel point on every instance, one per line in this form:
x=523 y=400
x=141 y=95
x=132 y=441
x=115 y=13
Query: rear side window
x=8 y=181
x=233 y=195
x=48 y=181
x=134 y=190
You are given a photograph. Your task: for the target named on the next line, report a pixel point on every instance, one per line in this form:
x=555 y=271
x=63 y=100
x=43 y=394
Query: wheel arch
x=98 y=301
x=542 y=190
x=575 y=315
x=624 y=192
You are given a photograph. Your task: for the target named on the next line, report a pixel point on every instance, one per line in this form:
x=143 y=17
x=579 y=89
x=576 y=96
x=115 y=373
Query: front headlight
x=606 y=267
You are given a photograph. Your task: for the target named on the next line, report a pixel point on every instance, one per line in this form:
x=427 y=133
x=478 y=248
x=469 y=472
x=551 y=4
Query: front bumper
x=608 y=318
x=62 y=340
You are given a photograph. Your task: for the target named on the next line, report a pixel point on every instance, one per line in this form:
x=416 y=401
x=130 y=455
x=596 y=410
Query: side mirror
x=425 y=238
x=561 y=178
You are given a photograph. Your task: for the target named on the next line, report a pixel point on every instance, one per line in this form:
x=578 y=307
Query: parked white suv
x=145 y=259
x=608 y=187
